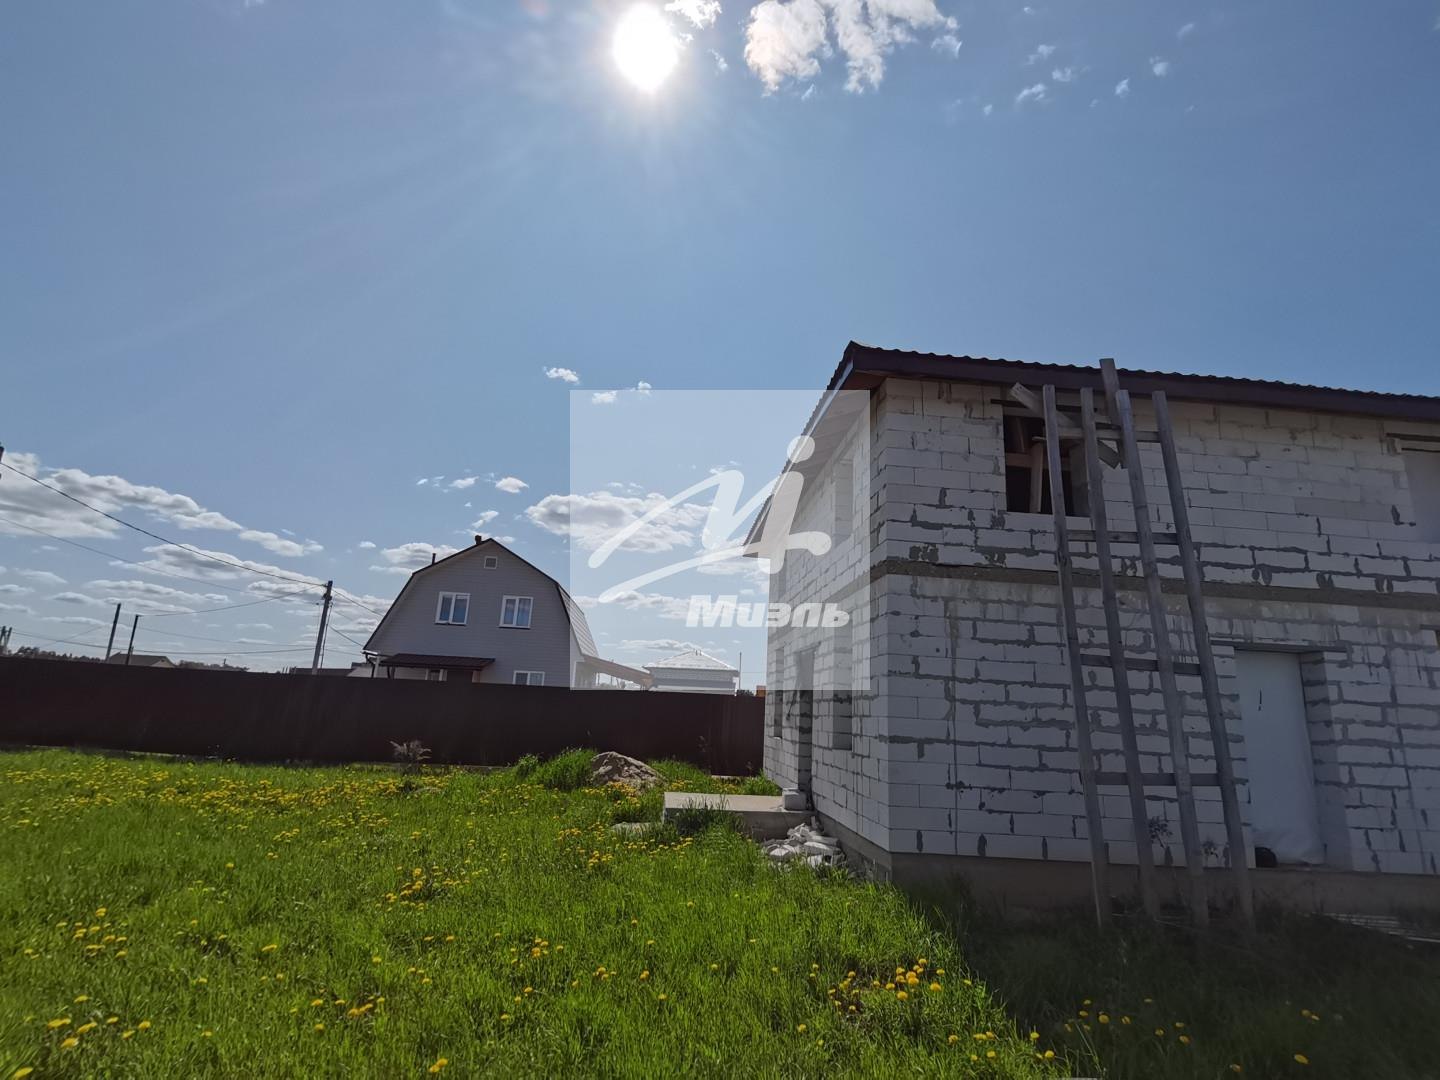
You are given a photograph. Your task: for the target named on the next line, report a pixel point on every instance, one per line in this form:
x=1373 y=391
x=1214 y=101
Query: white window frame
x=532 y=678
x=450 y=619
x=515 y=623
x=492 y=562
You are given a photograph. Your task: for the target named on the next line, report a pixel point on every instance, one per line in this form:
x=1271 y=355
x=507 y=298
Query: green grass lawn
x=160 y=918
x=171 y=919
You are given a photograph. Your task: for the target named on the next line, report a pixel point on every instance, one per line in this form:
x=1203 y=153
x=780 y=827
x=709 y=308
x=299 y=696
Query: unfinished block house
x=936 y=732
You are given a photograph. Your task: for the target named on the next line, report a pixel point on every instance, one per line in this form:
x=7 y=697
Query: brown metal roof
x=863 y=366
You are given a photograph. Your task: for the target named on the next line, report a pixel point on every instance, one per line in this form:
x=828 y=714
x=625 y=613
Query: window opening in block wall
x=1027 y=479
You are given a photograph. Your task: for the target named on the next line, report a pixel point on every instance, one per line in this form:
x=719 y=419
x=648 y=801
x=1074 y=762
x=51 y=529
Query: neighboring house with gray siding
x=486 y=615
x=935 y=733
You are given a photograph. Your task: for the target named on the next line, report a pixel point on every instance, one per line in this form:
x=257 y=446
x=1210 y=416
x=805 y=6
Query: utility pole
x=110 y=645
x=324 y=620
x=131 y=650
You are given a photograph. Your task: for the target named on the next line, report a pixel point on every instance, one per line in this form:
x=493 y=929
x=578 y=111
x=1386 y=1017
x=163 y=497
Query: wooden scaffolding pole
x=1139 y=816
x=1099 y=861
x=1194 y=592
x=1160 y=631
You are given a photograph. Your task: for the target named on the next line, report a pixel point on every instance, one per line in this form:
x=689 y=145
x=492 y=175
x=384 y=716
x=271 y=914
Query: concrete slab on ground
x=763 y=817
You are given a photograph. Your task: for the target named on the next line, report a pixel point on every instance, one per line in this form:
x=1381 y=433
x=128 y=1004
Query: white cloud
x=460 y=483
x=75 y=620
x=10 y=589
x=404 y=558
x=511 y=485
x=366 y=545
x=604 y=397
x=44 y=577
x=152 y=598
x=1122 y=88
x=643 y=388
x=786 y=39
x=484 y=519
x=1063 y=74
x=32 y=505
x=947 y=43
x=202 y=563
x=76 y=598
x=564 y=374
x=1189 y=28
x=988 y=109
x=657 y=604
x=1160 y=66
x=1031 y=93
x=18 y=609
x=665 y=645
x=721 y=64
x=279 y=545
x=702 y=13
x=590 y=520
x=1042 y=52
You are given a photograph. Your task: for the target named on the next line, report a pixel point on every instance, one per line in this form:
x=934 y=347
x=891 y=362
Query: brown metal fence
x=247 y=716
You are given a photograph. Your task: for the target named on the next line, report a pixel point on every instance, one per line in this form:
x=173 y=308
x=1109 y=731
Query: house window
x=1422 y=470
x=1027 y=475
x=435 y=674
x=529 y=678
x=491 y=562
x=515 y=612
x=452 y=608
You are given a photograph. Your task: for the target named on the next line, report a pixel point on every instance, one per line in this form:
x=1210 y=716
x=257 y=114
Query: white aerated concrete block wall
x=963 y=742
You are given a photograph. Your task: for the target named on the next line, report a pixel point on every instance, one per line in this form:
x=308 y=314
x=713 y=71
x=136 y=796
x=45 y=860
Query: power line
x=348 y=598
x=156 y=536
x=348 y=638
x=64 y=641
x=201 y=637
x=120 y=558
x=177 y=652
x=208 y=610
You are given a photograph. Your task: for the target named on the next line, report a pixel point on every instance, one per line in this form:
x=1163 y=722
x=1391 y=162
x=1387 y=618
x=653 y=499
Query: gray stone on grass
x=610 y=767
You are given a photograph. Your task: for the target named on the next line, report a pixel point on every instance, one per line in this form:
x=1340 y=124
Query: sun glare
x=645 y=50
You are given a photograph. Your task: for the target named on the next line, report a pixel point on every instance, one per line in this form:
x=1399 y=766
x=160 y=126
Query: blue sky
x=283 y=260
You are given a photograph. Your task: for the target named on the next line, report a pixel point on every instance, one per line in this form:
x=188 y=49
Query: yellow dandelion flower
x=801 y=1028
x=1184 y=1040
x=901 y=995
x=83 y=1028
x=127 y=1034
x=1034 y=1036
x=269 y=948
x=1104 y=1018
x=58 y=1022
x=935 y=987
x=23 y=1071
x=82 y=999
x=72 y=1042
x=144 y=1025
x=952 y=1039
x=440 y=1063
x=1301 y=1059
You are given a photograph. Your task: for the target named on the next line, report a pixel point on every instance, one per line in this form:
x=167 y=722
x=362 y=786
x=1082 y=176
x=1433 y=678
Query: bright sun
x=645 y=50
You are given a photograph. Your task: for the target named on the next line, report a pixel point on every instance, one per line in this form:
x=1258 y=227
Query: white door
x=1283 y=816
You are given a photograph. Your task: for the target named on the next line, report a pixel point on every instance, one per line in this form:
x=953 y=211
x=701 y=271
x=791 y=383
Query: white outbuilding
x=694 y=672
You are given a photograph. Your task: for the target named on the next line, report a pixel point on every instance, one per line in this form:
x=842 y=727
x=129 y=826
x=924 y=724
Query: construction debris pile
x=808 y=844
